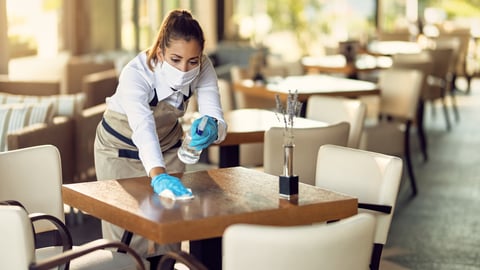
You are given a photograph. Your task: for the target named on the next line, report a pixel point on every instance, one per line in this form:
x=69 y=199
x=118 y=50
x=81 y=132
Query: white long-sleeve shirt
x=135 y=91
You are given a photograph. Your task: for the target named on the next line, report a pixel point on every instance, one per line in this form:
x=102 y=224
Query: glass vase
x=288 y=147
x=288 y=182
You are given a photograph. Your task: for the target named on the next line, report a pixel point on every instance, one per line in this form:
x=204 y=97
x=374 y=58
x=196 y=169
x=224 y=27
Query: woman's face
x=183 y=55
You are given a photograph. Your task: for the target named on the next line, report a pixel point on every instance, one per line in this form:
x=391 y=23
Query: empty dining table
x=306 y=86
x=338 y=64
x=392 y=47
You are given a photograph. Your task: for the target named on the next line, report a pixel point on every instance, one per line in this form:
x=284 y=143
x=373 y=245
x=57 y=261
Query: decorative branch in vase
x=292 y=108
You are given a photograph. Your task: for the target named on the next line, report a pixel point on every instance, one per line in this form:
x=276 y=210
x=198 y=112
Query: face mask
x=178 y=79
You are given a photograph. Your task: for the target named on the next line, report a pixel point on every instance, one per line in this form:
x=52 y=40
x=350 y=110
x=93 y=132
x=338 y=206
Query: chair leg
x=376 y=256
x=408 y=160
x=454 y=105
x=421 y=129
x=469 y=83
x=445 y=112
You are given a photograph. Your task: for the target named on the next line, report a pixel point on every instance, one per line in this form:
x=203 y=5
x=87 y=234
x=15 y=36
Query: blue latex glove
x=201 y=140
x=165 y=181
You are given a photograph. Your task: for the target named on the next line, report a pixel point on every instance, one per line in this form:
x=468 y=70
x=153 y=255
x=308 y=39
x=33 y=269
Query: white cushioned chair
x=373 y=178
x=333 y=110
x=341 y=245
x=307 y=141
x=422 y=62
x=399 y=98
x=17 y=248
x=33 y=177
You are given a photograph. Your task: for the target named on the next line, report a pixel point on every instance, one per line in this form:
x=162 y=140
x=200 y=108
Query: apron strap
x=127 y=153
x=117 y=135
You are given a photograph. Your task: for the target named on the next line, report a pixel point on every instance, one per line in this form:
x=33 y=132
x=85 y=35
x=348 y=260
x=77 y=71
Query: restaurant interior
x=399 y=78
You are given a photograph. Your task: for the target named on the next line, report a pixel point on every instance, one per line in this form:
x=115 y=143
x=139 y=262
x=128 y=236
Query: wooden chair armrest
x=92 y=246
x=168 y=260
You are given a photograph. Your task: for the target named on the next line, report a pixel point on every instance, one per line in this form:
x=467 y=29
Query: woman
x=140 y=132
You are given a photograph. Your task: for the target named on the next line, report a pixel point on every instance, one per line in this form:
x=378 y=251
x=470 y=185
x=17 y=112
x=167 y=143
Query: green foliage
x=52 y=4
x=462 y=8
x=453 y=8
x=297 y=16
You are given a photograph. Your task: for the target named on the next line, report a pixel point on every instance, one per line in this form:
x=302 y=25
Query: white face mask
x=178 y=79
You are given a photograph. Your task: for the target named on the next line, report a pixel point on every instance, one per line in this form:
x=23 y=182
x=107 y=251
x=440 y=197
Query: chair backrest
x=421 y=61
x=458 y=41
x=443 y=61
x=372 y=177
x=33 y=176
x=400 y=92
x=226 y=95
x=335 y=109
x=307 y=142
x=86 y=124
x=346 y=244
x=17 y=245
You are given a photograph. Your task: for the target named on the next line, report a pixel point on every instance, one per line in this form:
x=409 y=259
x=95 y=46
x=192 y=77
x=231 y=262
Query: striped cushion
x=16 y=116
x=64 y=105
x=19 y=111
x=4 y=117
x=41 y=113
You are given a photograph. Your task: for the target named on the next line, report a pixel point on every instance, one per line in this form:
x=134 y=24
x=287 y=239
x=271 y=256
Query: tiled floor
x=440 y=227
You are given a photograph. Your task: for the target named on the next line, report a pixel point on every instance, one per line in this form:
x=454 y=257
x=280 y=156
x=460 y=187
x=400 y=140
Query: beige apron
x=116 y=157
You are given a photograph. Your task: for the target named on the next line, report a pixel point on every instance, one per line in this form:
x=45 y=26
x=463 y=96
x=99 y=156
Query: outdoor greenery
x=454 y=8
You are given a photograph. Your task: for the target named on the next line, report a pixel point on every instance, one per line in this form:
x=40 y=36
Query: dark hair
x=179 y=24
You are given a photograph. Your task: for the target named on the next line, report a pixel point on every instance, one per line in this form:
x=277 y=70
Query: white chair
x=334 y=110
x=17 y=248
x=373 y=178
x=251 y=154
x=341 y=245
x=399 y=97
x=439 y=80
x=33 y=177
x=423 y=62
x=307 y=142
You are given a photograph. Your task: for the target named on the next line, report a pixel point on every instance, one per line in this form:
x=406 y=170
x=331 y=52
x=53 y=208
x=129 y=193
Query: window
x=141 y=19
x=293 y=28
x=34 y=30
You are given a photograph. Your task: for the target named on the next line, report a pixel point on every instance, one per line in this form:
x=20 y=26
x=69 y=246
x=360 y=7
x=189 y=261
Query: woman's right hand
x=164 y=181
